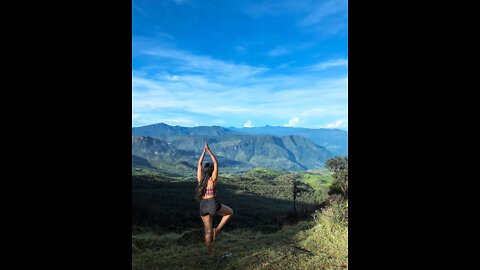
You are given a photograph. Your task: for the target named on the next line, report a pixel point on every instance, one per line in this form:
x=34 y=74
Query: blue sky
x=240 y=63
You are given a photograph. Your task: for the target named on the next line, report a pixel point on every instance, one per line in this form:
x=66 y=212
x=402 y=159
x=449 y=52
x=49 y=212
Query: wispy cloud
x=329 y=64
x=185 y=61
x=288 y=49
x=200 y=89
x=138 y=9
x=324 y=10
x=199 y=95
x=203 y=68
x=328 y=17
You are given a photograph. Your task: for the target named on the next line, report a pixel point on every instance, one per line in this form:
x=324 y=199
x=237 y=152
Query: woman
x=209 y=205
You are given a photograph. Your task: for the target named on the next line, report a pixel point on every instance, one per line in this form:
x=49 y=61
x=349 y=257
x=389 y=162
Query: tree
x=297 y=188
x=339 y=167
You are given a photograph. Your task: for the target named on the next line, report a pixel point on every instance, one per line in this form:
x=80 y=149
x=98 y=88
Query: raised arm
x=215 y=163
x=199 y=167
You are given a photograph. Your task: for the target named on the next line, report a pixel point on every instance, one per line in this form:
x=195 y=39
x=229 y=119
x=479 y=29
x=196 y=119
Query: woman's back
x=211 y=189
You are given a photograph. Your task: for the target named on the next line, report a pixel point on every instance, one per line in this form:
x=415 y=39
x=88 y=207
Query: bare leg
x=207 y=223
x=227 y=213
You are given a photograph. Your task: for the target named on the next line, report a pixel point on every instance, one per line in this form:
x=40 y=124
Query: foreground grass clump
x=328 y=239
x=323 y=246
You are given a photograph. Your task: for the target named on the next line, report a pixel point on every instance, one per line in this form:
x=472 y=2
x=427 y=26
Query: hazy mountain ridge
x=162 y=154
x=162 y=143
x=334 y=140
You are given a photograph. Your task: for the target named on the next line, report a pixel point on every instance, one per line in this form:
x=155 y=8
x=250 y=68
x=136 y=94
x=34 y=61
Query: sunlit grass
x=320 y=244
x=318 y=179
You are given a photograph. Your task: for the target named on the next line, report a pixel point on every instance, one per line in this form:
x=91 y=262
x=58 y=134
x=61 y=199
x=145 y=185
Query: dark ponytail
x=202 y=186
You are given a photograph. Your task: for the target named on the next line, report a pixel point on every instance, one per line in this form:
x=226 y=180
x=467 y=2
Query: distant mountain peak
x=334 y=140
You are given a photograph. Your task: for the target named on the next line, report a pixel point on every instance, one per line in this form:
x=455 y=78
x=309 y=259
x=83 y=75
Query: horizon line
x=236 y=127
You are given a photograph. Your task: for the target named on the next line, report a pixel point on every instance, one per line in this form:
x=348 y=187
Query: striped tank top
x=211 y=191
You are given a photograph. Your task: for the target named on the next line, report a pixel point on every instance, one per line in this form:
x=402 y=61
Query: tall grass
x=328 y=239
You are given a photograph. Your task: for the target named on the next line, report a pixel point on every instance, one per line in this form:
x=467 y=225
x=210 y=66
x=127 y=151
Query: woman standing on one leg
x=209 y=205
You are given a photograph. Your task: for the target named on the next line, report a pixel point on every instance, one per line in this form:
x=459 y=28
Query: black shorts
x=209 y=206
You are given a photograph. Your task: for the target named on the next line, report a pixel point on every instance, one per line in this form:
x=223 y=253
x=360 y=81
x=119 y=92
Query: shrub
x=339 y=167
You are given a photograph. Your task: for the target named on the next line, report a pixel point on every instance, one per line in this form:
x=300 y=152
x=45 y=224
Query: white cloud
x=275 y=96
x=337 y=124
x=325 y=10
x=248 y=124
x=327 y=16
x=292 y=122
x=184 y=61
x=200 y=88
x=329 y=64
x=288 y=49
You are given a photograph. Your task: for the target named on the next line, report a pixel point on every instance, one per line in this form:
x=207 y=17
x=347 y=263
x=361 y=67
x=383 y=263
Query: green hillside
x=167 y=232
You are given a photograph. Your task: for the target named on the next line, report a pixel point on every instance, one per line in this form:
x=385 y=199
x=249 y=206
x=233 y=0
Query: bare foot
x=210 y=256
x=215 y=233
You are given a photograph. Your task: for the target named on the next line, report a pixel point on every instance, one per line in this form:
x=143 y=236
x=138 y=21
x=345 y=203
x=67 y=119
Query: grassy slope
x=306 y=245
x=318 y=179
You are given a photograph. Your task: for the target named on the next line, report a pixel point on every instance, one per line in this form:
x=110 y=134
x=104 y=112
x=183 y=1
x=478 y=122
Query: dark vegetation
x=164 y=204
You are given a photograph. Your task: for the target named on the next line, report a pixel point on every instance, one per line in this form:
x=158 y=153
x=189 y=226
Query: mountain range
x=334 y=140
x=161 y=145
